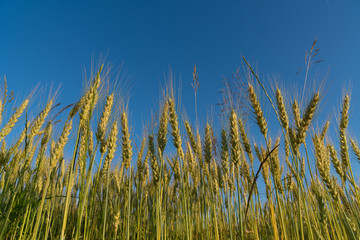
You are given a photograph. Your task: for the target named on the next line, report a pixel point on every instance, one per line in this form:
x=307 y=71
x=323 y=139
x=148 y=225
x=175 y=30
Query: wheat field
x=180 y=182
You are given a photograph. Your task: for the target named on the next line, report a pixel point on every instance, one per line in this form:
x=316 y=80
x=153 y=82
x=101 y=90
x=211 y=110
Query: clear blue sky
x=50 y=42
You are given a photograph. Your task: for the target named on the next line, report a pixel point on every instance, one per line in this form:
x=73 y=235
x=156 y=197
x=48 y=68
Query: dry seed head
x=39 y=184
x=88 y=101
x=163 y=124
x=82 y=151
x=103 y=147
x=344 y=121
x=245 y=141
x=344 y=154
x=53 y=161
x=101 y=129
x=57 y=152
x=66 y=176
x=355 y=149
x=190 y=157
x=175 y=129
x=231 y=178
x=321 y=155
x=319 y=195
x=282 y=109
x=344 y=200
x=293 y=141
x=296 y=112
x=323 y=165
x=214 y=173
x=199 y=153
x=205 y=170
x=265 y=174
x=22 y=136
x=116 y=221
x=29 y=157
x=97 y=80
x=62 y=169
x=126 y=142
x=185 y=164
x=196 y=176
x=76 y=108
x=94 y=90
x=288 y=180
x=3 y=155
x=40 y=167
x=192 y=165
x=234 y=140
x=302 y=167
x=335 y=161
x=47 y=134
x=324 y=130
x=118 y=175
x=12 y=121
x=220 y=178
x=139 y=164
x=14 y=165
x=287 y=147
x=307 y=118
x=91 y=144
x=258 y=153
x=114 y=176
x=208 y=146
x=111 y=147
x=245 y=172
x=176 y=168
x=259 y=116
x=40 y=119
x=276 y=165
x=85 y=113
x=191 y=136
x=146 y=170
x=153 y=159
x=166 y=176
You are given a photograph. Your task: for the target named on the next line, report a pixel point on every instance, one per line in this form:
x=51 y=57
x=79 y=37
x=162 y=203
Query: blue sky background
x=51 y=41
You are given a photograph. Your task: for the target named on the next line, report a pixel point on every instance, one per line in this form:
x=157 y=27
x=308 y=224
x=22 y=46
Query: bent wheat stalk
x=256 y=177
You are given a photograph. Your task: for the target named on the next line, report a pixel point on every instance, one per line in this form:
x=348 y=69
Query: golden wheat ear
x=235 y=148
x=344 y=121
x=307 y=118
x=126 y=142
x=259 y=116
x=282 y=110
x=175 y=128
x=163 y=124
x=13 y=120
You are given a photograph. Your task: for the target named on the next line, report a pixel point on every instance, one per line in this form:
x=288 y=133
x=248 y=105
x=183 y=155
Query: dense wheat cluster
x=181 y=182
